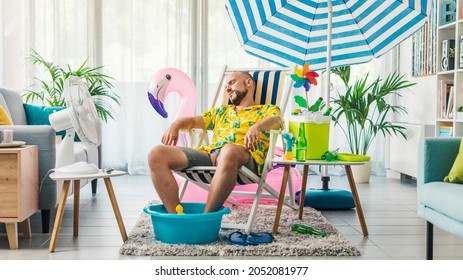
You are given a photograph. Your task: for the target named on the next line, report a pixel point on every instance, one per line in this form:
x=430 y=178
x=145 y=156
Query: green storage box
x=317 y=133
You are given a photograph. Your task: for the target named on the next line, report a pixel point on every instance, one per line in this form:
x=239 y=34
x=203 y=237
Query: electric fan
x=79 y=117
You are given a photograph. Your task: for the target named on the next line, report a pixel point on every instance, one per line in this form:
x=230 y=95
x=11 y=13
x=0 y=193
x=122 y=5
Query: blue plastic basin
x=195 y=227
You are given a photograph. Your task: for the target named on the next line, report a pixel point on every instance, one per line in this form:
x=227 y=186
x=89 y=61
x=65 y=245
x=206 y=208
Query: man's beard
x=240 y=95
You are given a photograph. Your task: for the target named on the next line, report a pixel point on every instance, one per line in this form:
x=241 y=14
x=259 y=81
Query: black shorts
x=201 y=158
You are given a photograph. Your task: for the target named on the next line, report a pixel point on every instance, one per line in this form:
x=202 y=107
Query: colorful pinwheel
x=304 y=77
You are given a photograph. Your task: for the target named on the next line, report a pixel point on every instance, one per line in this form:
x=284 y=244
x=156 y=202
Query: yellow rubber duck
x=179 y=209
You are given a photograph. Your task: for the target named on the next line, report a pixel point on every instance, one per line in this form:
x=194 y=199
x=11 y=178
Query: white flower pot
x=361 y=173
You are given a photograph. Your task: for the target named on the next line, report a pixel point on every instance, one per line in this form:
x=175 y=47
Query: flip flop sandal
x=259 y=238
x=303 y=229
x=237 y=238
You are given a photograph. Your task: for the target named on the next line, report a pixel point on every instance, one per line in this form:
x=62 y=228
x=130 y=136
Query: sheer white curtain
x=138 y=39
x=14 y=26
x=133 y=39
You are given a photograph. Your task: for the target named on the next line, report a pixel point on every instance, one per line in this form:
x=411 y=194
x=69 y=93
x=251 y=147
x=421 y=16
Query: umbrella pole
x=325 y=177
x=330 y=198
x=328 y=54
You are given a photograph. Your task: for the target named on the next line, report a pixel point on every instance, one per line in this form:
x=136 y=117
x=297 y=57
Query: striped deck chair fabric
x=272 y=87
x=269 y=87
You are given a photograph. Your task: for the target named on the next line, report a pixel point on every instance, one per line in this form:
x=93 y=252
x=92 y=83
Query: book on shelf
x=461 y=52
x=446 y=99
x=450 y=94
x=445 y=130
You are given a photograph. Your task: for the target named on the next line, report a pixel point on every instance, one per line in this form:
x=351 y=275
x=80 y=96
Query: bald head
x=245 y=75
x=238 y=85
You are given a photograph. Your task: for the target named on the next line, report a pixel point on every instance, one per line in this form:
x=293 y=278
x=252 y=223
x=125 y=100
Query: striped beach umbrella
x=324 y=33
x=293 y=32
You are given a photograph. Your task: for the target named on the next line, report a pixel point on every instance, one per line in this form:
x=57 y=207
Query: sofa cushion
x=38 y=115
x=456 y=172
x=3 y=104
x=4 y=117
x=14 y=103
x=442 y=197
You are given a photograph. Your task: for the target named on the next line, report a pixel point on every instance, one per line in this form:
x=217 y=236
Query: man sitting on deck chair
x=240 y=138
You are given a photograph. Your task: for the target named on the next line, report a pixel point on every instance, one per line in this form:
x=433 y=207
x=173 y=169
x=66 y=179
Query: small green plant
x=365 y=108
x=51 y=89
x=452 y=53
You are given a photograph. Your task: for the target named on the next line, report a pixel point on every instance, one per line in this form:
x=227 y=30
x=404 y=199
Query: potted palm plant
x=51 y=88
x=364 y=110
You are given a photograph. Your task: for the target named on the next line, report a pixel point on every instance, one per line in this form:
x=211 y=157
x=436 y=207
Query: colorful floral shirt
x=229 y=126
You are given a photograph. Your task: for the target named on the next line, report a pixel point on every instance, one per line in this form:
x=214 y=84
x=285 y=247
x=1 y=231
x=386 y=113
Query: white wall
x=419 y=100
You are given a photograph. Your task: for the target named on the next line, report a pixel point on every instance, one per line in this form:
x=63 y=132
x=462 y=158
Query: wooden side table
x=19 y=193
x=62 y=201
x=287 y=164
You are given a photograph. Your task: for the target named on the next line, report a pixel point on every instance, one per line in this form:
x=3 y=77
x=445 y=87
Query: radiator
x=403 y=154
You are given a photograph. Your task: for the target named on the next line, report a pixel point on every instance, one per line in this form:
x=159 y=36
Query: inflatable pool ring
x=171 y=80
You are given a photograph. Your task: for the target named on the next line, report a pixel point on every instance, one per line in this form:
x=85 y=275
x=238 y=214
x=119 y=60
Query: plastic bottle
x=304 y=229
x=301 y=144
x=316 y=107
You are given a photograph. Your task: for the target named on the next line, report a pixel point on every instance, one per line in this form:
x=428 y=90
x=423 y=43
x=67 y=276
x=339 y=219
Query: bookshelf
x=449 y=68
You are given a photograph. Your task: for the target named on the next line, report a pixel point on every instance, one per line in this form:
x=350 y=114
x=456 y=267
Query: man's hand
x=170 y=137
x=252 y=138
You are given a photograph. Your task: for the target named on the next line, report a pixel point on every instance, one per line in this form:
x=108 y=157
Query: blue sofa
x=44 y=137
x=439 y=203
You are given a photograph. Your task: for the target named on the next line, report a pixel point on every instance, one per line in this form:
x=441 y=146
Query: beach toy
x=330 y=155
x=179 y=209
x=172 y=80
x=290 y=139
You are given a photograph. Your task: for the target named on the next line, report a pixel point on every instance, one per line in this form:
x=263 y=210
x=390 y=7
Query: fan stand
x=326 y=198
x=65 y=154
x=65 y=161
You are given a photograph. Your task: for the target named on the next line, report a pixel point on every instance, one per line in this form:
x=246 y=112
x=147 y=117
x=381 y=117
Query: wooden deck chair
x=272 y=86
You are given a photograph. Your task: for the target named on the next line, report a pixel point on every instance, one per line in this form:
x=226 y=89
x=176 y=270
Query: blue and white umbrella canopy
x=293 y=32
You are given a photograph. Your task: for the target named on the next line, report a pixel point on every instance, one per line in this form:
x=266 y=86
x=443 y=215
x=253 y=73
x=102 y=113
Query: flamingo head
x=157 y=93
x=172 y=80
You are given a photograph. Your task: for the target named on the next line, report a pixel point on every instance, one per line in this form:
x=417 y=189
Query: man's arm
x=273 y=122
x=252 y=137
x=170 y=137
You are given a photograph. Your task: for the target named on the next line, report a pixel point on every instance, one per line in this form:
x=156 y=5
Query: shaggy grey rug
x=142 y=242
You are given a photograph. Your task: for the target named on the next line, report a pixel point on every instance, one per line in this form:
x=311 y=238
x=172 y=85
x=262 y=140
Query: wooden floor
x=389 y=206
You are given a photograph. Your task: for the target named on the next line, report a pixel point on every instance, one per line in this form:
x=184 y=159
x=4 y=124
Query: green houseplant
x=365 y=108
x=51 y=89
